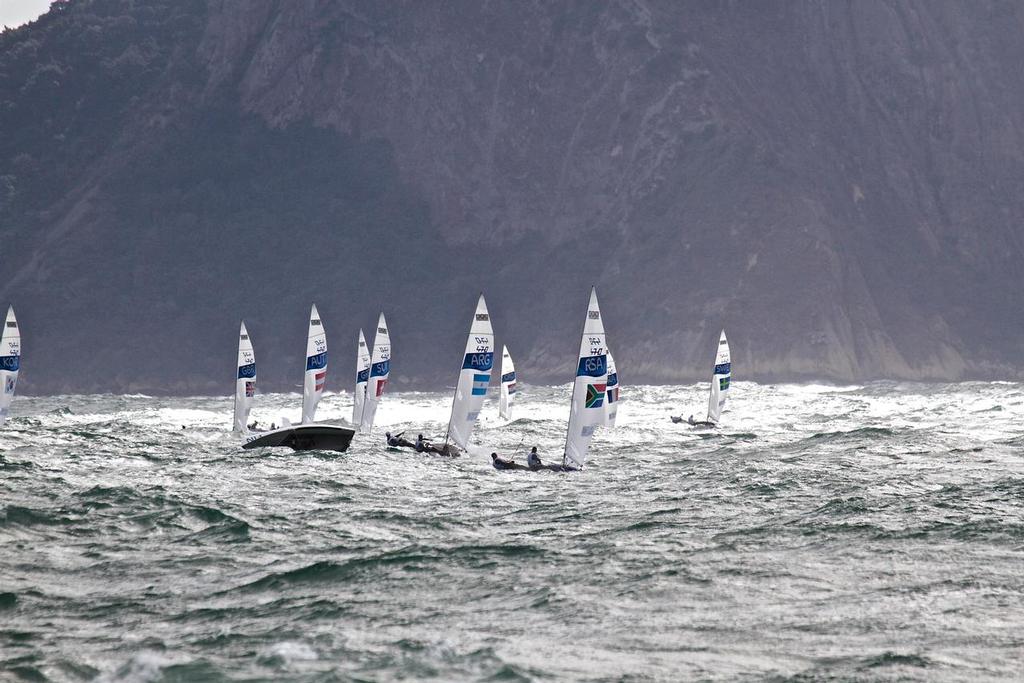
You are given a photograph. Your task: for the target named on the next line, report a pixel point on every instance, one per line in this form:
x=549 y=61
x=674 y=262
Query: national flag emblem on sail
x=723 y=383
x=250 y=389
x=381 y=383
x=595 y=395
x=613 y=394
x=9 y=385
x=320 y=378
x=512 y=388
x=480 y=384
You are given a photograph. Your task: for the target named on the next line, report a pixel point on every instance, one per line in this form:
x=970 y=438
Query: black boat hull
x=312 y=437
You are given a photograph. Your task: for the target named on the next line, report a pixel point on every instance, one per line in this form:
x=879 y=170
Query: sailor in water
x=502 y=464
x=424 y=446
x=533 y=460
x=396 y=440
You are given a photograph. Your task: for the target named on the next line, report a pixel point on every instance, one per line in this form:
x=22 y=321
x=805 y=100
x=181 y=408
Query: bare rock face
x=836 y=184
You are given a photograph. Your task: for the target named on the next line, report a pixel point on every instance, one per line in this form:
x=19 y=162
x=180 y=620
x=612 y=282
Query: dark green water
x=870 y=533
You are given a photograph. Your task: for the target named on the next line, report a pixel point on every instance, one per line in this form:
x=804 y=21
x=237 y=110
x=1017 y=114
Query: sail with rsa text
x=586 y=411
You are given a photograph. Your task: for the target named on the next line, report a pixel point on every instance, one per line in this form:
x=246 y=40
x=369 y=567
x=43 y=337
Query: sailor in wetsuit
x=501 y=464
x=392 y=440
x=533 y=460
x=421 y=445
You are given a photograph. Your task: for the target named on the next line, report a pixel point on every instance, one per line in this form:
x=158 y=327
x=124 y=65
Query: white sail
x=316 y=366
x=245 y=381
x=586 y=412
x=720 y=380
x=473 y=378
x=10 y=362
x=611 y=401
x=380 y=368
x=508 y=385
x=362 y=377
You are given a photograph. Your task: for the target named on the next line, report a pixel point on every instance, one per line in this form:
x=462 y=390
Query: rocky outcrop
x=836 y=184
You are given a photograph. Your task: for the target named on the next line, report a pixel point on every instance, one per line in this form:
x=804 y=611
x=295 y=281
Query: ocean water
x=850 y=533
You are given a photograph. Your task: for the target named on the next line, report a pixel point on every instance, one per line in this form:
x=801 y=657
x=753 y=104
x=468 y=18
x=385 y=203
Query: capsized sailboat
x=508 y=385
x=586 y=411
x=10 y=362
x=362 y=378
x=309 y=436
x=720 y=378
x=245 y=381
x=380 y=370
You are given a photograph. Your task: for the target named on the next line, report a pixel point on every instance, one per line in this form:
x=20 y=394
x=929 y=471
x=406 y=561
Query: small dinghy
x=611 y=401
x=362 y=379
x=380 y=370
x=503 y=465
x=594 y=389
x=589 y=391
x=719 y=388
x=308 y=436
x=10 y=362
x=245 y=382
x=471 y=388
x=508 y=385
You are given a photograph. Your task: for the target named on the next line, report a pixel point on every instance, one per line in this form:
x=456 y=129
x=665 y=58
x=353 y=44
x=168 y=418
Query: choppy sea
x=823 y=533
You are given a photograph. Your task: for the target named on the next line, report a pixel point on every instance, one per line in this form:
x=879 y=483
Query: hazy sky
x=17 y=12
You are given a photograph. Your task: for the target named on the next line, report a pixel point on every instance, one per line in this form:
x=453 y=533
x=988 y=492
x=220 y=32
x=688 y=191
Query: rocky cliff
x=838 y=184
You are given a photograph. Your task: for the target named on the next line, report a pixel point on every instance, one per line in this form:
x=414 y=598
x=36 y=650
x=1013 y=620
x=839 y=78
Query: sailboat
x=720 y=379
x=611 y=402
x=362 y=378
x=508 y=385
x=10 y=362
x=245 y=381
x=380 y=369
x=309 y=436
x=586 y=411
x=471 y=387
x=474 y=377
